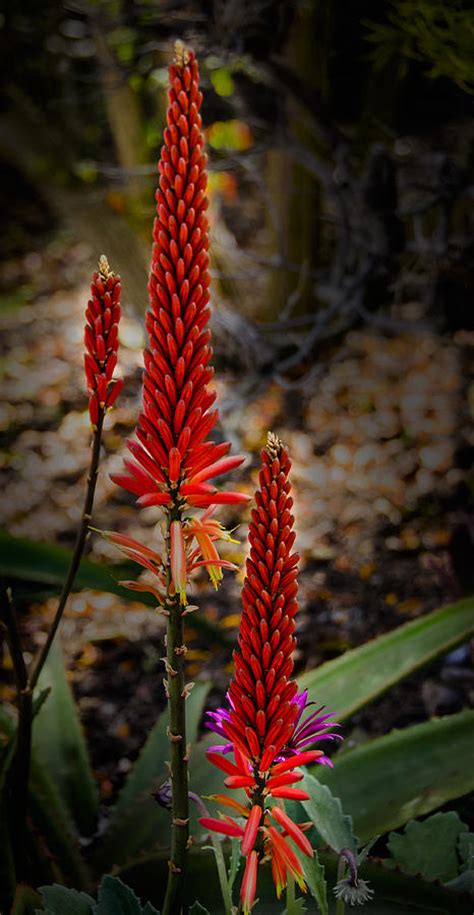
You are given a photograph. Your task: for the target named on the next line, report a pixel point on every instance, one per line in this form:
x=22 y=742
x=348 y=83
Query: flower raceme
x=262 y=724
x=183 y=558
x=173 y=462
x=101 y=341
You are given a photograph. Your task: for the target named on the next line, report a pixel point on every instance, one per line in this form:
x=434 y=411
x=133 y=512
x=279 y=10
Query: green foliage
x=137 y=821
x=325 y=811
x=232 y=134
x=53 y=823
x=356 y=677
x=60 y=748
x=59 y=900
x=221 y=79
x=405 y=774
x=314 y=873
x=298 y=908
x=466 y=850
x=439 y=34
x=29 y=561
x=198 y=909
x=395 y=893
x=234 y=863
x=429 y=848
x=115 y=898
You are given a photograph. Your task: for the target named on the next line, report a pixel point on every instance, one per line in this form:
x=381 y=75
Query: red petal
x=218 y=468
x=291 y=794
x=154 y=498
x=223 y=826
x=300 y=759
x=293 y=831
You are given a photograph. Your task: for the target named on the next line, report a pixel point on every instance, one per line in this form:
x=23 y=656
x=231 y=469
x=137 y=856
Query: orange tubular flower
x=173 y=461
x=262 y=722
x=101 y=341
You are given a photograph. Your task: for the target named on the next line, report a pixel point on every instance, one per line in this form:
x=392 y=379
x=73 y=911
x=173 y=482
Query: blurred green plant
x=438 y=34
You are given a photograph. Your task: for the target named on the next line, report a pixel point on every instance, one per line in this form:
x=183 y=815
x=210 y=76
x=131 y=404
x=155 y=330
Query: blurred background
x=341 y=147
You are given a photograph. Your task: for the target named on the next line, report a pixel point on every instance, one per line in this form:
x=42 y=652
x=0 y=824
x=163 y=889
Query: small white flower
x=353 y=892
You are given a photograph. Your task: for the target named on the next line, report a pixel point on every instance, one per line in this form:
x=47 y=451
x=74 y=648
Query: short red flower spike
x=101 y=341
x=262 y=712
x=261 y=722
x=173 y=459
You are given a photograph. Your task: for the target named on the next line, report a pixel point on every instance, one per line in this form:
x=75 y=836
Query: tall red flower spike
x=262 y=721
x=101 y=341
x=173 y=462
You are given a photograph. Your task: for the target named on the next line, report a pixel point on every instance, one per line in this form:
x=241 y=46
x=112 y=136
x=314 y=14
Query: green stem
x=290 y=896
x=341 y=869
x=78 y=550
x=177 y=735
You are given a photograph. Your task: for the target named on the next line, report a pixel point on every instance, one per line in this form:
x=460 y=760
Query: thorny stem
x=177 y=735
x=18 y=774
x=78 y=550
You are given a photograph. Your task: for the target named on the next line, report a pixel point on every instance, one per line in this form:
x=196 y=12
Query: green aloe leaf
x=137 y=821
x=60 y=747
x=198 y=909
x=54 y=826
x=350 y=681
x=23 y=560
x=405 y=774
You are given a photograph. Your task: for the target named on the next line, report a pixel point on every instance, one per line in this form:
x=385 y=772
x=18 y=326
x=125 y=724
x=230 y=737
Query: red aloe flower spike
x=177 y=401
x=101 y=341
x=265 y=650
x=262 y=720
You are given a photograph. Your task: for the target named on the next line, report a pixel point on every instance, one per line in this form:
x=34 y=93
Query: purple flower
x=313 y=728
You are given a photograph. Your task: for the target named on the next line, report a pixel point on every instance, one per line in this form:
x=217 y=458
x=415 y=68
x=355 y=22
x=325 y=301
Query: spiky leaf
x=60 y=747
